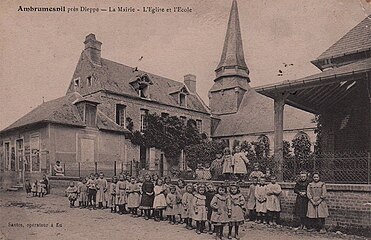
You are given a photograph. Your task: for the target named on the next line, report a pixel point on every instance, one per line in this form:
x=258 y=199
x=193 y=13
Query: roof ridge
x=143 y=71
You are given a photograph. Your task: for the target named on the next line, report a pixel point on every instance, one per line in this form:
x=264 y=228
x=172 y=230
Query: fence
x=109 y=169
x=354 y=167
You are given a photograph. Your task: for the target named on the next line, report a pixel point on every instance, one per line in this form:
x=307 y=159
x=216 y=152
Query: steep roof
x=116 y=77
x=60 y=110
x=256 y=115
x=233 y=54
x=63 y=111
x=357 y=39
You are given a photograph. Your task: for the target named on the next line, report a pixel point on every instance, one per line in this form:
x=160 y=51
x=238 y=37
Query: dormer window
x=76 y=83
x=90 y=115
x=89 y=81
x=182 y=99
x=141 y=85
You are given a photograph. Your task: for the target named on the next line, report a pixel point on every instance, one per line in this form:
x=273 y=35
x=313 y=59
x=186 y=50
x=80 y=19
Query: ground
x=20 y=214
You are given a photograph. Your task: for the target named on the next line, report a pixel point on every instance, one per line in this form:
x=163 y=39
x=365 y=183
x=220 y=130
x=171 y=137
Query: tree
x=168 y=134
x=204 y=152
x=302 y=152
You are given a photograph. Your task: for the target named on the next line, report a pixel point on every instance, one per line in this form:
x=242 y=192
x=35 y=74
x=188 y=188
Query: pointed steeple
x=232 y=61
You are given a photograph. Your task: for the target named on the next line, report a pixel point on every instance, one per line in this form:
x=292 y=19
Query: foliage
x=302 y=151
x=318 y=131
x=286 y=149
x=204 y=152
x=168 y=134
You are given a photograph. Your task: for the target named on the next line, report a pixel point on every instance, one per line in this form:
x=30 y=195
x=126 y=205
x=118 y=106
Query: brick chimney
x=190 y=82
x=93 y=49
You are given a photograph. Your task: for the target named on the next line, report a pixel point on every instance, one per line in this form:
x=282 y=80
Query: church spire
x=232 y=61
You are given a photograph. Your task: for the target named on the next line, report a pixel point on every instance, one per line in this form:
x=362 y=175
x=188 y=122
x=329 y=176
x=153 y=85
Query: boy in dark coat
x=301 y=203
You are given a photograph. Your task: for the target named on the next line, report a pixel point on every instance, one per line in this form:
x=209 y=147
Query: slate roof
x=63 y=111
x=256 y=115
x=357 y=39
x=116 y=77
x=233 y=54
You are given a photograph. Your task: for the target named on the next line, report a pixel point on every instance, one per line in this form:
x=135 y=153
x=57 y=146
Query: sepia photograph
x=185 y=119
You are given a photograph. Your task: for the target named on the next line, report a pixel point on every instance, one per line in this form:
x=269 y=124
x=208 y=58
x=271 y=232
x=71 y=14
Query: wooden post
x=95 y=167
x=279 y=104
x=114 y=168
x=79 y=169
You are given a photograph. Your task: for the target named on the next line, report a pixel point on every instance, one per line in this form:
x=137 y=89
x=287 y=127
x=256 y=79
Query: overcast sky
x=39 y=51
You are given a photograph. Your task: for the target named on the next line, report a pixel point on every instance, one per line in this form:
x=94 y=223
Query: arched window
x=302 y=134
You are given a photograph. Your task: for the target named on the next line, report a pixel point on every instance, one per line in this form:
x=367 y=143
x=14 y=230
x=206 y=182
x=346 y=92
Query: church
x=87 y=129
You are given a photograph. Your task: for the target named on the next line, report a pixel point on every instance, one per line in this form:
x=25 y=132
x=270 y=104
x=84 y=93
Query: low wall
x=349 y=204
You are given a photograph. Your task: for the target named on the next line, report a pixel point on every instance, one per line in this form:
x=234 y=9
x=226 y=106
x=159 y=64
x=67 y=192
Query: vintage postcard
x=185 y=119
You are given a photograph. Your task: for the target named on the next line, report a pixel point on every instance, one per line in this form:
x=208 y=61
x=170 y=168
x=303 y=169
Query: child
x=101 y=190
x=199 y=208
x=121 y=194
x=187 y=206
x=42 y=188
x=82 y=191
x=219 y=217
x=256 y=173
x=92 y=191
x=171 y=209
x=71 y=192
x=140 y=184
x=28 y=187
x=317 y=207
x=180 y=190
x=159 y=203
x=273 y=201
x=133 y=191
x=227 y=164
x=261 y=200
x=301 y=203
x=34 y=188
x=239 y=163
x=112 y=192
x=146 y=202
x=210 y=193
x=199 y=172
x=251 y=200
x=236 y=207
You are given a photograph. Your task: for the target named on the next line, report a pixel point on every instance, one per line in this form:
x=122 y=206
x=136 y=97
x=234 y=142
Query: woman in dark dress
x=301 y=203
x=148 y=196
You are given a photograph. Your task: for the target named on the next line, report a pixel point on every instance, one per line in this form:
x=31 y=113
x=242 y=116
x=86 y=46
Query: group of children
x=38 y=188
x=192 y=204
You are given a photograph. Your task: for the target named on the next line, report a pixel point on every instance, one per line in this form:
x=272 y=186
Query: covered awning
x=321 y=91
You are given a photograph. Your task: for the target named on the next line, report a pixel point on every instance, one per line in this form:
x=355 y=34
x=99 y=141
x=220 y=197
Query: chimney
x=190 y=82
x=93 y=49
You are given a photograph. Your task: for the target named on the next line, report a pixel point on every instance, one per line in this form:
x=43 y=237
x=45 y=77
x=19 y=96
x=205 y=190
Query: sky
x=39 y=50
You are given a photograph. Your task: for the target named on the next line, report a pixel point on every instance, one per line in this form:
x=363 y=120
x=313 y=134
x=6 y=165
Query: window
x=76 y=83
x=121 y=115
x=89 y=81
x=90 y=115
x=143 y=120
x=182 y=99
x=19 y=153
x=141 y=85
x=199 y=125
x=35 y=153
x=7 y=155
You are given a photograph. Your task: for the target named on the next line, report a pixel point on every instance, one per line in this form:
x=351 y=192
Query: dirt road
x=52 y=218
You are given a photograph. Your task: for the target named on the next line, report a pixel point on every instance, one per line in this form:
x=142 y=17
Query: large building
x=87 y=128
